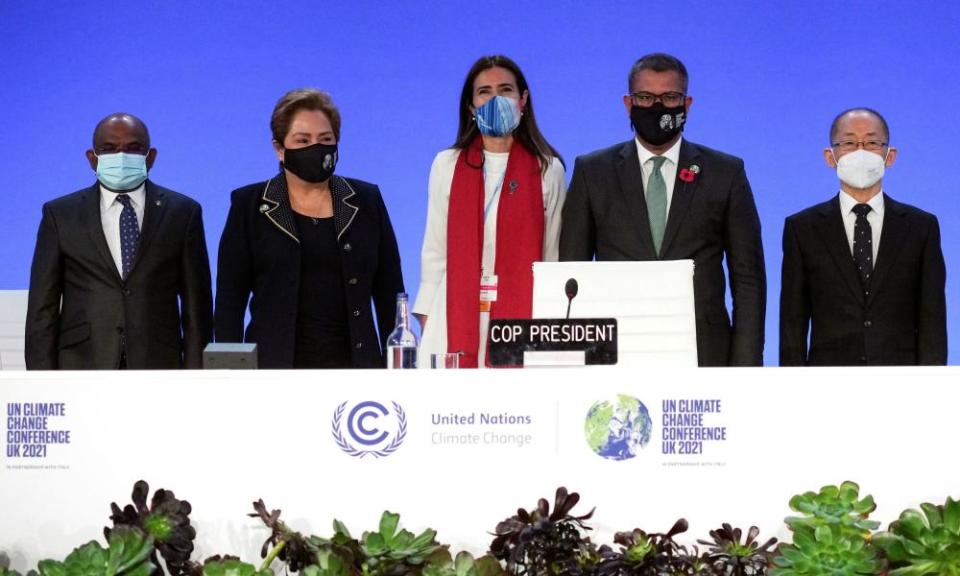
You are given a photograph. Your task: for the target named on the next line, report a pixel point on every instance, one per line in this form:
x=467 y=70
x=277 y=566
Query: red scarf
x=519 y=244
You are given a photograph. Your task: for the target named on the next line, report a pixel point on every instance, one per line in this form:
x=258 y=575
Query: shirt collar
x=108 y=197
x=672 y=154
x=847 y=202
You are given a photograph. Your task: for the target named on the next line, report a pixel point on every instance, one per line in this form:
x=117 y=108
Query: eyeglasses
x=647 y=99
x=851 y=145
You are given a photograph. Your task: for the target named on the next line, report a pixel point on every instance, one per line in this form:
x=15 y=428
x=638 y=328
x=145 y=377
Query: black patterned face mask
x=313 y=163
x=658 y=124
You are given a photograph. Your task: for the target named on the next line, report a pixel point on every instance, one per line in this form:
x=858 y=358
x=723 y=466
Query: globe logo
x=618 y=430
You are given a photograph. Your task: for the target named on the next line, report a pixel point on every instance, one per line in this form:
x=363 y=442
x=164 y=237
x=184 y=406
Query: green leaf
x=373 y=543
x=932 y=513
x=911 y=524
x=51 y=568
x=388 y=525
x=951 y=516
x=88 y=560
x=424 y=539
x=340 y=528
x=463 y=564
x=129 y=547
x=487 y=565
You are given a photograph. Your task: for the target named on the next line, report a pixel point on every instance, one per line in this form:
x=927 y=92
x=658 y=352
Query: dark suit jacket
x=903 y=319
x=81 y=313
x=260 y=255
x=605 y=217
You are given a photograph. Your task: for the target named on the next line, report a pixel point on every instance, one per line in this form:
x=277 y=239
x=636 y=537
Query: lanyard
x=496 y=191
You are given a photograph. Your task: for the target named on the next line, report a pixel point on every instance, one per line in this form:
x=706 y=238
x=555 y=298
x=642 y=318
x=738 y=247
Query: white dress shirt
x=874 y=217
x=110 y=210
x=668 y=169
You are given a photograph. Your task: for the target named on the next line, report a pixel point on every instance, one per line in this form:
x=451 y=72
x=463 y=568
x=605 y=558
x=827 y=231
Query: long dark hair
x=527 y=132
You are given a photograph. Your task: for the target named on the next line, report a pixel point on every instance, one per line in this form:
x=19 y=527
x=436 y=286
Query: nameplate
x=508 y=340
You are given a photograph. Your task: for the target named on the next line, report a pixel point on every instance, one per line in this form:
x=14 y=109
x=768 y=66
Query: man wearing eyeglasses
x=120 y=275
x=659 y=196
x=863 y=274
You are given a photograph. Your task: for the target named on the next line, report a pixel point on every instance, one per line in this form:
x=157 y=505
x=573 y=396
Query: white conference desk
x=475 y=446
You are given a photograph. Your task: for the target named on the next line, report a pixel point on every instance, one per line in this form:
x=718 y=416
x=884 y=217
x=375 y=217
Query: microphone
x=571 y=288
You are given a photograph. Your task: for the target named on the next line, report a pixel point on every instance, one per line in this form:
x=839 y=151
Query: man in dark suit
x=863 y=274
x=120 y=276
x=660 y=197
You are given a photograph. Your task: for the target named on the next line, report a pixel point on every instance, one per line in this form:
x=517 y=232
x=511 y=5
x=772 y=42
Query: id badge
x=488 y=291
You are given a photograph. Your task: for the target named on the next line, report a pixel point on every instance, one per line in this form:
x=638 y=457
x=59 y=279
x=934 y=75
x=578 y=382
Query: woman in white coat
x=495 y=199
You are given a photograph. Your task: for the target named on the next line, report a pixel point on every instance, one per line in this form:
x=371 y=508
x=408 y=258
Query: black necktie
x=863 y=244
x=129 y=233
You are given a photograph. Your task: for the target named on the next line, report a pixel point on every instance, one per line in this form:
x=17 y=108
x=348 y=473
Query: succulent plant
x=927 y=542
x=230 y=566
x=127 y=554
x=833 y=536
x=540 y=542
x=825 y=551
x=288 y=545
x=643 y=554
x=835 y=506
x=728 y=556
x=166 y=520
x=465 y=565
x=389 y=552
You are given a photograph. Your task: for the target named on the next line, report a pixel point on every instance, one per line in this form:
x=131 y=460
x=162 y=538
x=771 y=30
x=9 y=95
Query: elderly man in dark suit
x=863 y=274
x=120 y=275
x=660 y=197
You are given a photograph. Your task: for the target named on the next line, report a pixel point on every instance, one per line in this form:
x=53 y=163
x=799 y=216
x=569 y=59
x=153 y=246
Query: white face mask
x=860 y=169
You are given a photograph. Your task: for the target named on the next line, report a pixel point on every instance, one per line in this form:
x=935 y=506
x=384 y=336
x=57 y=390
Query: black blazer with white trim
x=260 y=258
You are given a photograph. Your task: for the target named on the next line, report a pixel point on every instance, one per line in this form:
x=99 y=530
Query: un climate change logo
x=618 y=430
x=370 y=429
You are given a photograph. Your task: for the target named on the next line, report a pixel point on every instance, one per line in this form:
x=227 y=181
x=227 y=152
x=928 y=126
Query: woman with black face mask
x=312 y=248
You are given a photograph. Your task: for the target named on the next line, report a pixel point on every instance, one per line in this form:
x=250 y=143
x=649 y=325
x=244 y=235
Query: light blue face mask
x=121 y=171
x=498 y=116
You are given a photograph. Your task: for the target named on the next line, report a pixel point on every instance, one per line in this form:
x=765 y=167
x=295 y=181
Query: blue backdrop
x=766 y=77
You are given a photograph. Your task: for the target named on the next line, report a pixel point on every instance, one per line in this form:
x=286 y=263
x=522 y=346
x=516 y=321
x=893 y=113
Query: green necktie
x=657 y=203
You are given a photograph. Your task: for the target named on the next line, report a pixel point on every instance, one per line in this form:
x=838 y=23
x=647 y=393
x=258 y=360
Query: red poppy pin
x=689 y=174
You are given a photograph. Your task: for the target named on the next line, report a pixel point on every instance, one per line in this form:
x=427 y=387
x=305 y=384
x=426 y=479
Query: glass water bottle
x=402 y=342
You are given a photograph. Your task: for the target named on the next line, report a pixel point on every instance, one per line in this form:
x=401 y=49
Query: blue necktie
x=129 y=233
x=863 y=244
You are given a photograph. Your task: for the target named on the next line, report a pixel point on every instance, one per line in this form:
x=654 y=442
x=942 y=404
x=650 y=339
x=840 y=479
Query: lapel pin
x=264 y=208
x=157 y=202
x=513 y=186
x=689 y=174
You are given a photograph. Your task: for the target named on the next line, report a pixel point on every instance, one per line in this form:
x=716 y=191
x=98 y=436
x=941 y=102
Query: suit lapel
x=631 y=186
x=833 y=234
x=892 y=236
x=94 y=227
x=275 y=205
x=155 y=205
x=343 y=211
x=682 y=193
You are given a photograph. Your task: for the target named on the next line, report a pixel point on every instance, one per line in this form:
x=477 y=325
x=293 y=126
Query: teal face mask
x=121 y=171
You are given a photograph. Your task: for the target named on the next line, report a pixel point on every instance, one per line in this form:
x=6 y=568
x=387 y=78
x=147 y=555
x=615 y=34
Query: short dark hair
x=302 y=99
x=120 y=116
x=658 y=62
x=836 y=122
